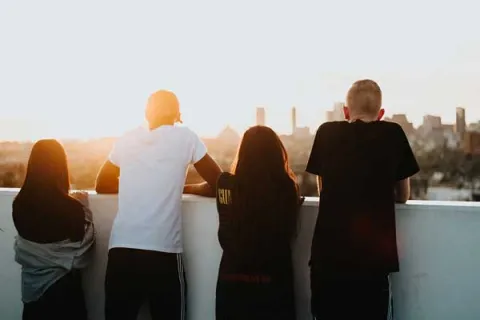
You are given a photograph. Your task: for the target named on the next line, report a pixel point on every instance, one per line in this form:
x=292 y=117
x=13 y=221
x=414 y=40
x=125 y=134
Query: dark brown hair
x=47 y=180
x=47 y=169
x=44 y=201
x=265 y=199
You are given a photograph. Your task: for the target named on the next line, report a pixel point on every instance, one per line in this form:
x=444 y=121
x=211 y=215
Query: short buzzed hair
x=162 y=103
x=365 y=97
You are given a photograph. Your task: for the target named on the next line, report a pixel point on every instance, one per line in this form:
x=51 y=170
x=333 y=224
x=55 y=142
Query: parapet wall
x=439 y=248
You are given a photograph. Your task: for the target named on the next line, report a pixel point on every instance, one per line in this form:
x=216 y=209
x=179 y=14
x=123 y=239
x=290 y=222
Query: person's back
x=153 y=167
x=363 y=166
x=55 y=235
x=148 y=167
x=248 y=251
x=360 y=167
x=258 y=206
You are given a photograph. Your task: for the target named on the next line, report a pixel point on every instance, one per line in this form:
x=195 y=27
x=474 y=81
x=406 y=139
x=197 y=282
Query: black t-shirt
x=49 y=221
x=359 y=163
x=247 y=287
x=276 y=261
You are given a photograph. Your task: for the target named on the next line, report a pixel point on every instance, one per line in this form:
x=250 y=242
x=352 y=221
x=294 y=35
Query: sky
x=84 y=69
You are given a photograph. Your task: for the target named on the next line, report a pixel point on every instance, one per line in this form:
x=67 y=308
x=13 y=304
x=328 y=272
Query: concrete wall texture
x=439 y=248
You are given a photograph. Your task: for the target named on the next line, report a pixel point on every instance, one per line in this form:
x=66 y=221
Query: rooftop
x=438 y=248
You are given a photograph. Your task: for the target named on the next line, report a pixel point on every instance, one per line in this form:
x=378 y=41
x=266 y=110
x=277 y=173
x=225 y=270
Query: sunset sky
x=85 y=68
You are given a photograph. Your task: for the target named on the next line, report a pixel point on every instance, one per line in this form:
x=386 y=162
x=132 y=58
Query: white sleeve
x=115 y=155
x=199 y=149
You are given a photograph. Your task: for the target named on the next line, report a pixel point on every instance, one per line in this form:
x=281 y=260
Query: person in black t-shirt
x=55 y=233
x=258 y=206
x=363 y=167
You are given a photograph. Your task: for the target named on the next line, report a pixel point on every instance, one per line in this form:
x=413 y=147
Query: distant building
x=475 y=127
x=302 y=133
x=448 y=128
x=440 y=138
x=229 y=136
x=299 y=133
x=260 y=117
x=337 y=113
x=329 y=116
x=432 y=122
x=294 y=120
x=461 y=122
x=402 y=120
x=472 y=143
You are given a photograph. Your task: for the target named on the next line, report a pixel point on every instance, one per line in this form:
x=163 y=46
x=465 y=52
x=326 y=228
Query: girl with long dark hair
x=258 y=205
x=55 y=234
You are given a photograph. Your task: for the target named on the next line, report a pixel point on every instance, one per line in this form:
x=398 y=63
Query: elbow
x=212 y=181
x=99 y=187
x=107 y=179
x=401 y=201
x=102 y=188
x=210 y=192
x=402 y=191
x=205 y=190
x=402 y=198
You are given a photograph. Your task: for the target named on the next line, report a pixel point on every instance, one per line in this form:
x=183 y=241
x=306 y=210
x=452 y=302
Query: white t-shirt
x=153 y=166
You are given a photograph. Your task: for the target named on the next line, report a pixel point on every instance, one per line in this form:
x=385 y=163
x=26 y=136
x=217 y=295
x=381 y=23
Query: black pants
x=63 y=300
x=357 y=297
x=255 y=300
x=137 y=276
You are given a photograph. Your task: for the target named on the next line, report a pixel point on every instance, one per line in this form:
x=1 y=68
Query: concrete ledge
x=439 y=248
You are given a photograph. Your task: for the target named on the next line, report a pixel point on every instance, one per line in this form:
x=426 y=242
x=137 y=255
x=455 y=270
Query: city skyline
x=260 y=117
x=63 y=77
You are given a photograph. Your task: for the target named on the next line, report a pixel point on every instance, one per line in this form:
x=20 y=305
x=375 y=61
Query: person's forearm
x=110 y=187
x=319 y=185
x=200 y=189
x=107 y=178
x=402 y=191
x=402 y=197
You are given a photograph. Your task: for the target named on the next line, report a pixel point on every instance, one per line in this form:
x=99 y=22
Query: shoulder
x=186 y=131
x=133 y=133
x=330 y=126
x=389 y=125
x=391 y=128
x=326 y=130
x=181 y=129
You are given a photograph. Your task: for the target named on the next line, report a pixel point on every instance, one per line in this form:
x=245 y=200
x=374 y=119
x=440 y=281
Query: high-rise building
x=472 y=143
x=337 y=113
x=461 y=122
x=431 y=122
x=329 y=116
x=402 y=120
x=294 y=120
x=260 y=116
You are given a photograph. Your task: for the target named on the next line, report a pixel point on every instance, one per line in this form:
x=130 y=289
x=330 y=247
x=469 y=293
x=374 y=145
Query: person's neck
x=363 y=118
x=158 y=124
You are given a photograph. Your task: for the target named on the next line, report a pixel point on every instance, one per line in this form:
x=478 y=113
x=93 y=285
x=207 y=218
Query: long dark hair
x=47 y=174
x=266 y=197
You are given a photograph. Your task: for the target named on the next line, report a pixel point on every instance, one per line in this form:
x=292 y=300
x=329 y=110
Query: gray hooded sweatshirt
x=44 y=264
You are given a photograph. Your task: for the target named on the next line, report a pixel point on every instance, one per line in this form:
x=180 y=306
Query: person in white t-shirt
x=147 y=167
